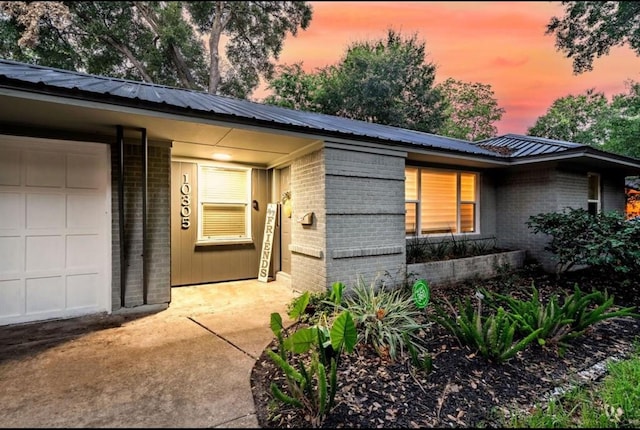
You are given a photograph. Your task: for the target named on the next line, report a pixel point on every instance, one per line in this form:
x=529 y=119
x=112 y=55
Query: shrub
x=605 y=241
x=388 y=320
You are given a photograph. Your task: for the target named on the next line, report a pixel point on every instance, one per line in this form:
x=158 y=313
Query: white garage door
x=55 y=229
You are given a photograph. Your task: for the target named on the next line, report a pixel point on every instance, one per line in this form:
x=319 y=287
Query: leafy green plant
x=416 y=250
x=422 y=249
x=492 y=335
x=531 y=315
x=559 y=321
x=587 y=309
x=606 y=241
x=482 y=246
x=387 y=319
x=308 y=307
x=611 y=403
x=438 y=250
x=309 y=358
x=459 y=248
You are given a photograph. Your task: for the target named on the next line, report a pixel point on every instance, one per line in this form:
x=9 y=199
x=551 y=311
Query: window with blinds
x=224 y=200
x=440 y=201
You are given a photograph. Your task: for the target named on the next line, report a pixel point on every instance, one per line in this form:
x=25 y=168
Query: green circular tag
x=421 y=293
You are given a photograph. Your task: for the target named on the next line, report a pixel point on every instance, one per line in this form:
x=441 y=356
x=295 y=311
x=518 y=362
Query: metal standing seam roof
x=515 y=145
x=71 y=82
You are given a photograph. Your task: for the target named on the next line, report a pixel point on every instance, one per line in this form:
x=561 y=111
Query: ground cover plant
x=423 y=249
x=612 y=403
x=461 y=387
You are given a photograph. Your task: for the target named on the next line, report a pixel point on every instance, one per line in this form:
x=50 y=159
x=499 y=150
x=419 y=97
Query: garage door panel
x=11 y=256
x=80 y=290
x=45 y=169
x=11 y=211
x=84 y=211
x=46 y=211
x=45 y=294
x=55 y=224
x=83 y=171
x=11 y=297
x=83 y=251
x=44 y=253
x=9 y=166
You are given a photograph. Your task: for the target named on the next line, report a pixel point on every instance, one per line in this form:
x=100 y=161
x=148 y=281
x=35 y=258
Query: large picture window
x=224 y=195
x=440 y=201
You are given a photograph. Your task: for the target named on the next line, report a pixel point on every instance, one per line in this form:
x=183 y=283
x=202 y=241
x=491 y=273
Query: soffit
x=190 y=138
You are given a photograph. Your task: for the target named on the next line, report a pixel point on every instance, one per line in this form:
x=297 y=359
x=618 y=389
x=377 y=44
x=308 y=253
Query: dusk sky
x=502 y=44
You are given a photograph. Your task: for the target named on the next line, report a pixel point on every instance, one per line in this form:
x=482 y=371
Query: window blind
x=223 y=221
x=438 y=197
x=224 y=203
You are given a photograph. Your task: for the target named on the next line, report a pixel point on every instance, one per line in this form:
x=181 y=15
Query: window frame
x=202 y=201
x=459 y=202
x=597 y=201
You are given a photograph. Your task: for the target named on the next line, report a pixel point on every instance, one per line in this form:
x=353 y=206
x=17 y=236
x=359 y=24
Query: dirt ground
x=464 y=389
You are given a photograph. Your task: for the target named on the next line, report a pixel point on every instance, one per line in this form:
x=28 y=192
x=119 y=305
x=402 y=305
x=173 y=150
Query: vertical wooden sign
x=267 y=242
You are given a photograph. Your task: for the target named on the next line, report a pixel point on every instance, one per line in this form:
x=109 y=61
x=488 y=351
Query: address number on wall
x=185 y=201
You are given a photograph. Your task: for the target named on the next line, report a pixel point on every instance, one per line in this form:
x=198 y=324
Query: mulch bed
x=463 y=389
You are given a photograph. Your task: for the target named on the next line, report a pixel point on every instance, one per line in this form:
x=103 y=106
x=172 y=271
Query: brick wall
x=522 y=193
x=365 y=215
x=571 y=189
x=357 y=198
x=158 y=226
x=525 y=192
x=308 y=259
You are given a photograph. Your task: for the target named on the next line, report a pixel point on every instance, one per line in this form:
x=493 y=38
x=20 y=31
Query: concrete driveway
x=185 y=366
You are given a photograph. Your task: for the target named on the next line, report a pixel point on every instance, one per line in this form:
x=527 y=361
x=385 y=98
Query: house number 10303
x=185 y=201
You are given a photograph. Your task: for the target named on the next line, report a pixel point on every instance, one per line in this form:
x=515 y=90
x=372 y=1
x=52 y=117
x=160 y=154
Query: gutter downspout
x=145 y=187
x=123 y=259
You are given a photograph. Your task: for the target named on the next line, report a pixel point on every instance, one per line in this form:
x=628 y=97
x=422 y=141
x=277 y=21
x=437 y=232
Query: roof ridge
x=562 y=143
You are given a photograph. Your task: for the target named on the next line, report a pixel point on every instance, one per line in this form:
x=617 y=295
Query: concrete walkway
x=185 y=366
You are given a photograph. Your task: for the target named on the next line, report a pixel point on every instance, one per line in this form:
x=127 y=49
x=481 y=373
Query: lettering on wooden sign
x=267 y=242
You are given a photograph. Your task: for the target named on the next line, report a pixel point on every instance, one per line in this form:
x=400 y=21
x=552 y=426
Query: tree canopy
x=589 y=29
x=575 y=118
x=624 y=137
x=255 y=30
x=471 y=110
x=590 y=118
x=385 y=81
x=159 y=42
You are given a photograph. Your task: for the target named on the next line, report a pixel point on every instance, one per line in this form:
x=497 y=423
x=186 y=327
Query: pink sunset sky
x=502 y=44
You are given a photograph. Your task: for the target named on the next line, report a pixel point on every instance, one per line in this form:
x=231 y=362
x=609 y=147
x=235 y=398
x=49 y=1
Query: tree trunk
x=220 y=21
x=177 y=58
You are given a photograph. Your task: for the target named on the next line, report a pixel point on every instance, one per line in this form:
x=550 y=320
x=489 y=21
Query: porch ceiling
x=200 y=139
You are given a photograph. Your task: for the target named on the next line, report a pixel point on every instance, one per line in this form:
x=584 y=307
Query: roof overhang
x=587 y=157
x=194 y=133
x=189 y=135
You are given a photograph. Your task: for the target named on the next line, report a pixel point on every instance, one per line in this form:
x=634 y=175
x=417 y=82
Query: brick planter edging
x=461 y=269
